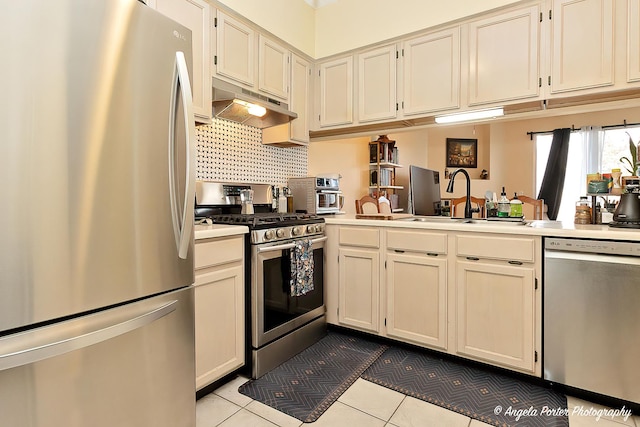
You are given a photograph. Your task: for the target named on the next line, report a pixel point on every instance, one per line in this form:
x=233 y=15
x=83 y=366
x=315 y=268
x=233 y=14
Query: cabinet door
x=195 y=15
x=581 y=44
x=504 y=57
x=299 y=98
x=417 y=299
x=432 y=72
x=219 y=323
x=377 y=84
x=633 y=41
x=495 y=313
x=336 y=92
x=359 y=282
x=273 y=68
x=235 y=50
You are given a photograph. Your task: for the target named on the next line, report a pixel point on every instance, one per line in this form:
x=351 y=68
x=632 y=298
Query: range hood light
x=253 y=109
x=470 y=115
x=256 y=110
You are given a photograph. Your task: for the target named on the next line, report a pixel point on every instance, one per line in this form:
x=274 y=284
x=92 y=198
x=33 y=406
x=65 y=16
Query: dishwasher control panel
x=608 y=247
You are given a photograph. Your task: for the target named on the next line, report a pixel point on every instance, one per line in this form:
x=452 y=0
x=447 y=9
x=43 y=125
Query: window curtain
x=553 y=180
x=593 y=140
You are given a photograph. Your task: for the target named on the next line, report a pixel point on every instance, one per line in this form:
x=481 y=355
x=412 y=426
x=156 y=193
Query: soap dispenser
x=504 y=205
x=515 y=207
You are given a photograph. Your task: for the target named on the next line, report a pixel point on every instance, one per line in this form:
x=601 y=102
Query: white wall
x=291 y=20
x=348 y=24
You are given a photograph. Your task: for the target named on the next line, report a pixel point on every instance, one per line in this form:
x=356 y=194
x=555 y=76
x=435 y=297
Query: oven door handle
x=287 y=246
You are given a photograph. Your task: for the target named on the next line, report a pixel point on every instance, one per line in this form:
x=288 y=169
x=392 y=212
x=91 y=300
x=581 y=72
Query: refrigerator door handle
x=50 y=341
x=182 y=211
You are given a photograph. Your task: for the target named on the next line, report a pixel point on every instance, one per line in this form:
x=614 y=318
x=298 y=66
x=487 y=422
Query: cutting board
x=387 y=216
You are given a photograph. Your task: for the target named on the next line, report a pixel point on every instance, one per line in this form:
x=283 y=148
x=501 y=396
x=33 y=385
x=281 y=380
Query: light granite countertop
x=535 y=228
x=204 y=231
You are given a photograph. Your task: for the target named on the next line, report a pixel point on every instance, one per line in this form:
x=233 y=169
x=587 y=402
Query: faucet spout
x=467 y=205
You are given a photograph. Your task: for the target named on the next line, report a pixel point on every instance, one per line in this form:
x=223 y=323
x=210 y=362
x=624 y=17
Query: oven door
x=274 y=312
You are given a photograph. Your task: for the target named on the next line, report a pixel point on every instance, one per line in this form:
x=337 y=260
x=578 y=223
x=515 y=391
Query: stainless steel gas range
x=280 y=322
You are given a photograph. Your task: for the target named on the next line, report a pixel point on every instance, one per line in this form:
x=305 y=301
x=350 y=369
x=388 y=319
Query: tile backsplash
x=233 y=152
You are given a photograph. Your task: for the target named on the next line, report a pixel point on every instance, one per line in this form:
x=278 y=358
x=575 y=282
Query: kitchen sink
x=446 y=219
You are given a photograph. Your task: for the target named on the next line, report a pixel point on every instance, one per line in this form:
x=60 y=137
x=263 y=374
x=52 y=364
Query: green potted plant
x=629 y=163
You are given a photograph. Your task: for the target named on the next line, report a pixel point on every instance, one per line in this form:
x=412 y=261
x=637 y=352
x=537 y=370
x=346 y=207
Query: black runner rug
x=471 y=391
x=307 y=384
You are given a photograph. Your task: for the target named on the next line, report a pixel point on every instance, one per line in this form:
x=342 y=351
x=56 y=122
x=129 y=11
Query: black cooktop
x=266 y=220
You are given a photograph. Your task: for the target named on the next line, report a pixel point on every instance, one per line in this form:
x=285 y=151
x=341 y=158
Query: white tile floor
x=363 y=404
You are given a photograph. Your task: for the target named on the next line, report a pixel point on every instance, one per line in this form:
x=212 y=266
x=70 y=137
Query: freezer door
x=128 y=366
x=95 y=115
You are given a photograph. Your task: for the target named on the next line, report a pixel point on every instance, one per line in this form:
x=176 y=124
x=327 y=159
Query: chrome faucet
x=467 y=205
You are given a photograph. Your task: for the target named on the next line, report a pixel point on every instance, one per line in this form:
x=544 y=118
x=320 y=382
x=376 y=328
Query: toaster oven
x=316 y=195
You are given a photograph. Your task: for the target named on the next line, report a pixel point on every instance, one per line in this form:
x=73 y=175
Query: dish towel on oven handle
x=301 y=268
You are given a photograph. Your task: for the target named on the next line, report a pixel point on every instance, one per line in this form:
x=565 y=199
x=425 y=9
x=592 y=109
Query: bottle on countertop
x=275 y=191
x=504 y=205
x=515 y=206
x=282 y=201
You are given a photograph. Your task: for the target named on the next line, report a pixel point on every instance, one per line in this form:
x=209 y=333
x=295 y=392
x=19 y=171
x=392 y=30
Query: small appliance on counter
x=317 y=195
x=627 y=214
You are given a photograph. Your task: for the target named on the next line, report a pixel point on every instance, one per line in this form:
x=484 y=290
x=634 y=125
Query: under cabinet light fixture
x=470 y=115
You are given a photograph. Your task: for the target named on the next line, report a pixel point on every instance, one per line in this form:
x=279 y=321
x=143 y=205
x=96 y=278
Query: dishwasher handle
x=592 y=257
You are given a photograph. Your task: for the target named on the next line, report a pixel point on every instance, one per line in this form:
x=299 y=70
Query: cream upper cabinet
x=336 y=92
x=633 y=41
x=582 y=44
x=377 y=84
x=195 y=15
x=296 y=132
x=504 y=57
x=273 y=68
x=299 y=98
x=235 y=47
x=431 y=72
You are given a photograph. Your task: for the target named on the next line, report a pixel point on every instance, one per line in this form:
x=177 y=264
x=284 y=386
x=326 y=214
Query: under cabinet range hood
x=234 y=103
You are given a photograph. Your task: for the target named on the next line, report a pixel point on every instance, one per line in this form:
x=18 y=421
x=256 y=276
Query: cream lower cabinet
x=416 y=288
x=219 y=308
x=359 y=278
x=497 y=303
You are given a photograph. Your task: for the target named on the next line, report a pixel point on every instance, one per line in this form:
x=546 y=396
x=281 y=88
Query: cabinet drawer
x=219 y=251
x=417 y=241
x=358 y=236
x=502 y=248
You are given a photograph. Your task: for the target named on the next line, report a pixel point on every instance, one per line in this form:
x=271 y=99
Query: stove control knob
x=269 y=234
x=311 y=229
x=319 y=228
x=280 y=232
x=297 y=231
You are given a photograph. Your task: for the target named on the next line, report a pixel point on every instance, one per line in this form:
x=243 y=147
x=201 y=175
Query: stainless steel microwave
x=316 y=195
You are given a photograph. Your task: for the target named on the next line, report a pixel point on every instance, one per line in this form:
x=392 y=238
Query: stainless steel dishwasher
x=592 y=316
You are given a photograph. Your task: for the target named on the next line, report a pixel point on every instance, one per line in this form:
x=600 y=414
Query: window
x=605 y=153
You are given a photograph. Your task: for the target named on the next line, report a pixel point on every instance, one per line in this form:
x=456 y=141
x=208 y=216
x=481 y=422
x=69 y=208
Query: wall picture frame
x=462 y=153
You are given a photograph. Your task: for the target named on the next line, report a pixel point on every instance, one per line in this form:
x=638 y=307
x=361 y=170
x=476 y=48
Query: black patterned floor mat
x=307 y=384
x=481 y=394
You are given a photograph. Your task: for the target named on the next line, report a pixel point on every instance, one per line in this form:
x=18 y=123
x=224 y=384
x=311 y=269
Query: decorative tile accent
x=230 y=151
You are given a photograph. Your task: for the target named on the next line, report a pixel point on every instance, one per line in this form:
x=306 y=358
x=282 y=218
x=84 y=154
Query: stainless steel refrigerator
x=96 y=222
